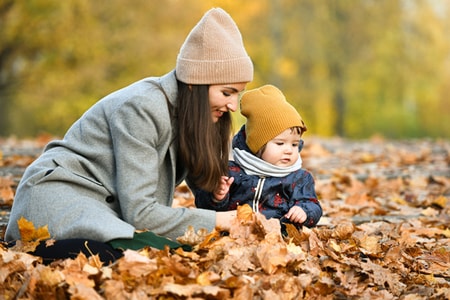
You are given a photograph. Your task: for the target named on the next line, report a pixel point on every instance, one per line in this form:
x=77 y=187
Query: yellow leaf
x=399 y=200
x=367 y=157
x=29 y=233
x=446 y=233
x=245 y=213
x=370 y=245
x=207 y=278
x=430 y=278
x=429 y=212
x=440 y=201
x=335 y=246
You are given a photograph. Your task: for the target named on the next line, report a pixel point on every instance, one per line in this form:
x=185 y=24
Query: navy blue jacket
x=279 y=194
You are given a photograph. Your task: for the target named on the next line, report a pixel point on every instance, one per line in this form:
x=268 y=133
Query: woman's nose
x=232 y=105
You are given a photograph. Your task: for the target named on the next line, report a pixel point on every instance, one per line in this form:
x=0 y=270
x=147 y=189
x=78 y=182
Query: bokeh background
x=353 y=68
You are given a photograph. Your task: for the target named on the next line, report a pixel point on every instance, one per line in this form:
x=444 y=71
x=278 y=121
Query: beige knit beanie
x=268 y=114
x=214 y=53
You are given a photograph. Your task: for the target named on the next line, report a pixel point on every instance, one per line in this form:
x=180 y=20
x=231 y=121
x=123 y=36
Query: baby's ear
x=300 y=145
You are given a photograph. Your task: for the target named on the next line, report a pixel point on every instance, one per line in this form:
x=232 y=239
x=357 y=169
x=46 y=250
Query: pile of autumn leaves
x=405 y=257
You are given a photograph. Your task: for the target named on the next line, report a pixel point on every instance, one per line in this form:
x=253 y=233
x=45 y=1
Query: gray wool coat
x=114 y=172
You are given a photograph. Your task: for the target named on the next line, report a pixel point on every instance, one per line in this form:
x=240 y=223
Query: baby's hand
x=223 y=188
x=296 y=215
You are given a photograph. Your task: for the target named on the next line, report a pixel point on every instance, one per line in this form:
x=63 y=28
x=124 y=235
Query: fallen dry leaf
x=384 y=235
x=29 y=233
x=6 y=191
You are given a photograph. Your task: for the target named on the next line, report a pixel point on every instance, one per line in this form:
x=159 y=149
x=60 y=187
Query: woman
x=115 y=170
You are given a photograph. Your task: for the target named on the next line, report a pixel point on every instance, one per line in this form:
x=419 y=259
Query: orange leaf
x=29 y=233
x=207 y=278
x=440 y=201
x=344 y=230
x=245 y=213
x=6 y=191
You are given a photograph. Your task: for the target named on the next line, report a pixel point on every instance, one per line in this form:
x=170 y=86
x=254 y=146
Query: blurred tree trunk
x=341 y=45
x=276 y=35
x=7 y=54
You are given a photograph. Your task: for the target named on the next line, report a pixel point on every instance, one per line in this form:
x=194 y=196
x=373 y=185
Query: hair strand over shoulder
x=203 y=145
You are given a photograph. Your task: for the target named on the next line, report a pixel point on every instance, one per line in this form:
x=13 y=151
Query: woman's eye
x=226 y=94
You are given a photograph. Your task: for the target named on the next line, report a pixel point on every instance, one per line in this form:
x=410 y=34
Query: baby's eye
x=295 y=144
x=280 y=143
x=226 y=94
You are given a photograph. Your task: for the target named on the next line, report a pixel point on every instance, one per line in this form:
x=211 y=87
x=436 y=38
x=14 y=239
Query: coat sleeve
x=140 y=132
x=305 y=196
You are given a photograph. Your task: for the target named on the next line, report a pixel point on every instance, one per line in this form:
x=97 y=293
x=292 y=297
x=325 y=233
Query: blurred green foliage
x=352 y=68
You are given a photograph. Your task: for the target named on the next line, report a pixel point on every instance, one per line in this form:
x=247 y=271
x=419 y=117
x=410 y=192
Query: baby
x=266 y=170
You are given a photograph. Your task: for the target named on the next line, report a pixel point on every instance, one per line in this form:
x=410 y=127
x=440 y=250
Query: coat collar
x=169 y=84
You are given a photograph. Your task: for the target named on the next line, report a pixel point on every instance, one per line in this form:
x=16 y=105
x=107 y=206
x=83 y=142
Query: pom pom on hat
x=214 y=53
x=268 y=114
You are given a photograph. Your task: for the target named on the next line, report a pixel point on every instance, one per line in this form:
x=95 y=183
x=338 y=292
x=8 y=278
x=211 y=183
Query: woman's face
x=224 y=98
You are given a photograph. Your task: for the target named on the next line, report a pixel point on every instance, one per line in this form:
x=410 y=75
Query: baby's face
x=282 y=150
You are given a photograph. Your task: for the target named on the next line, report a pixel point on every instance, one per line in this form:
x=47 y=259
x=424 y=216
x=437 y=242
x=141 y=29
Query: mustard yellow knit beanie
x=268 y=114
x=214 y=53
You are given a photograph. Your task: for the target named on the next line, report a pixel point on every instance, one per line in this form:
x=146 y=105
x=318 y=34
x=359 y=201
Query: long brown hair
x=203 y=145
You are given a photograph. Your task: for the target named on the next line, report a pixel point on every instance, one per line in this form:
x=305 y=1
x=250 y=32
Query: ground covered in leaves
x=384 y=235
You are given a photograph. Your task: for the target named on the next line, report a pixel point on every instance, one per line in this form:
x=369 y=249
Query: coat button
x=109 y=199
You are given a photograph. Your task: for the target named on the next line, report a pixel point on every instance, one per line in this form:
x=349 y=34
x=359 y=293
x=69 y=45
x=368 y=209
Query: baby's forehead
x=290 y=133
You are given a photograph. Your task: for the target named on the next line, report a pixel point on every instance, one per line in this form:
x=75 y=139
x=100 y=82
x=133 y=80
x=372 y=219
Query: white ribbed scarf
x=256 y=166
x=253 y=165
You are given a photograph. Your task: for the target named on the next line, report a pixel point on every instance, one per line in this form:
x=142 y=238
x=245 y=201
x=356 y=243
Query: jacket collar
x=169 y=84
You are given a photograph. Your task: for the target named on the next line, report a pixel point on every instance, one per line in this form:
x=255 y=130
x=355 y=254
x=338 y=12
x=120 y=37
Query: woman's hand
x=296 y=215
x=223 y=188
